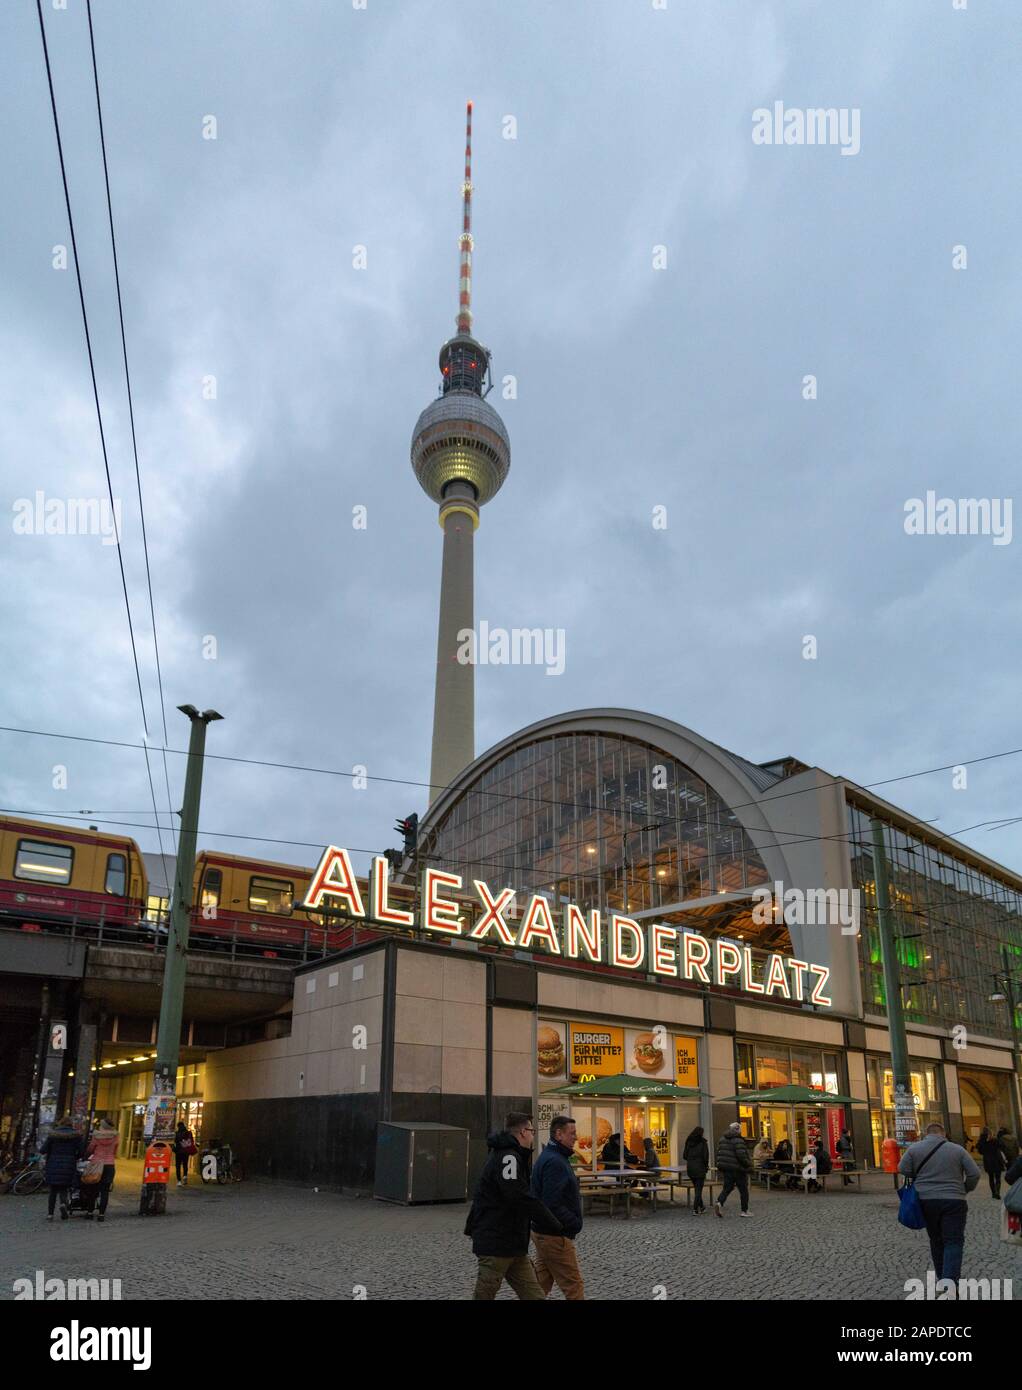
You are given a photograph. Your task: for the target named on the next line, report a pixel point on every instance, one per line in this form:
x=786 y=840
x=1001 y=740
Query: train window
x=43 y=862
x=212 y=887
x=116 y=874
x=275 y=895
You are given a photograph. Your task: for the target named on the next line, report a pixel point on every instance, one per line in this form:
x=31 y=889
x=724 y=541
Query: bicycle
x=226 y=1167
x=30 y=1179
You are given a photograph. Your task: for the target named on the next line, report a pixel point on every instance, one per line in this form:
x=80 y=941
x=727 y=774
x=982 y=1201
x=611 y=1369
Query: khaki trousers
x=557 y=1263
x=516 y=1269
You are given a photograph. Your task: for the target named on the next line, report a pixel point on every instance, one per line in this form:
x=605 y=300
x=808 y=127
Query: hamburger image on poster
x=550 y=1049
x=644 y=1058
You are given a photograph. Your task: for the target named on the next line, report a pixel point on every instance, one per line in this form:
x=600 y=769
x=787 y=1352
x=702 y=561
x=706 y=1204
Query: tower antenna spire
x=465 y=274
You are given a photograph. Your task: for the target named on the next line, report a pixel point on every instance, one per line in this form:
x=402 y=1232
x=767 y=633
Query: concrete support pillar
x=454 y=699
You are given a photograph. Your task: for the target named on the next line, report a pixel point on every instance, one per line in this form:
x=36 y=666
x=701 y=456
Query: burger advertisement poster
x=595 y=1049
x=550 y=1050
x=649 y=1052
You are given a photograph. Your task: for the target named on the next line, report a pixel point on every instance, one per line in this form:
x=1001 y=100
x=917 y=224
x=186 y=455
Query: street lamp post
x=161 y=1113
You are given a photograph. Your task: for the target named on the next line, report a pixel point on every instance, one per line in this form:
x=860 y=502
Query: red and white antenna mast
x=465 y=277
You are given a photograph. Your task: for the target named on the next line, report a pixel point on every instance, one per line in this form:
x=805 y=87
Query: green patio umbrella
x=625 y=1086
x=792 y=1095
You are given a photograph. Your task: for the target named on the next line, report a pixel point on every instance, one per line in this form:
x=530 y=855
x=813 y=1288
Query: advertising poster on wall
x=835 y=1124
x=595 y=1050
x=686 y=1061
x=643 y=1057
x=593 y=1127
x=550 y=1054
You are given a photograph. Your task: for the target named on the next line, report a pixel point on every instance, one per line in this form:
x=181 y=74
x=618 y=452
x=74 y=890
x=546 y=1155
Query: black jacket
x=1014 y=1172
x=993 y=1154
x=697 y=1157
x=62 y=1148
x=824 y=1162
x=503 y=1206
x=732 y=1154
x=555 y=1184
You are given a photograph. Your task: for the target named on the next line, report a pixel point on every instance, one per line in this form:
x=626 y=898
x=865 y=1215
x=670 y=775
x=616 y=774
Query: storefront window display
x=766 y=1066
x=926 y=1094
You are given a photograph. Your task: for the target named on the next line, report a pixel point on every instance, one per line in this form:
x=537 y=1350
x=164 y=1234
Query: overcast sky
x=637 y=388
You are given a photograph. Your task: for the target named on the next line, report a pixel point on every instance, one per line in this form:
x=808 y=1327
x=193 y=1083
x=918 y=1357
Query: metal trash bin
x=417 y=1161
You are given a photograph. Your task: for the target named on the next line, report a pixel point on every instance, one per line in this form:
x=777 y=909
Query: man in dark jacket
x=502 y=1209
x=734 y=1162
x=62 y=1148
x=555 y=1184
x=846 y=1153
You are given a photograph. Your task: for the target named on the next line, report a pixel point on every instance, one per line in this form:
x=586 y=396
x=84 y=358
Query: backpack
x=910 y=1212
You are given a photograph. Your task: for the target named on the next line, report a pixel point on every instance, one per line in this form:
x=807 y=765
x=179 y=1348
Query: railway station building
x=631 y=815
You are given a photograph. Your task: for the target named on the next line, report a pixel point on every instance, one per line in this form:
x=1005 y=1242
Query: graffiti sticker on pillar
x=595 y=1050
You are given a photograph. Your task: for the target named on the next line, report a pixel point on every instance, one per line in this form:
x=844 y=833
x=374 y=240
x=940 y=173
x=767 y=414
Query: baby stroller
x=83 y=1194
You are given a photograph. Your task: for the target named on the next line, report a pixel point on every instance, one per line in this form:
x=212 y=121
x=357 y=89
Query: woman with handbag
x=102 y=1149
x=184 y=1147
x=61 y=1148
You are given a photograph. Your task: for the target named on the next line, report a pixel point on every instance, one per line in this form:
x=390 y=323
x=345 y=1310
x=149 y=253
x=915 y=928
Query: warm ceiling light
x=661 y=873
x=590 y=849
x=139 y=1059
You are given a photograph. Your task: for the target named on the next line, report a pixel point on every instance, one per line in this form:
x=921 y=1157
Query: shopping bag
x=92 y=1172
x=1011 y=1227
x=910 y=1211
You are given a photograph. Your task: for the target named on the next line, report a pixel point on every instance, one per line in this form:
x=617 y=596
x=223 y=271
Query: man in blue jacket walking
x=555 y=1184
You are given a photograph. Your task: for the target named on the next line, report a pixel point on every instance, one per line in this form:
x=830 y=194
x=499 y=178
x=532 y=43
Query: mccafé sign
x=655 y=948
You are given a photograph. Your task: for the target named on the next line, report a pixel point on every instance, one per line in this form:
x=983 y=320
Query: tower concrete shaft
x=454 y=696
x=461 y=454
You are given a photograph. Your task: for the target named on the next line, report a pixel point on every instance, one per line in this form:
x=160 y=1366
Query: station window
x=116 y=875
x=42 y=862
x=274 y=895
x=212 y=887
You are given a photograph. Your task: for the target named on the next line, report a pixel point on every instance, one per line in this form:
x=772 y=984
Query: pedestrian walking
x=993 y=1161
x=62 y=1148
x=503 y=1208
x=102 y=1148
x=846 y=1153
x=943 y=1173
x=734 y=1162
x=696 y=1157
x=1009 y=1144
x=184 y=1147
x=555 y=1185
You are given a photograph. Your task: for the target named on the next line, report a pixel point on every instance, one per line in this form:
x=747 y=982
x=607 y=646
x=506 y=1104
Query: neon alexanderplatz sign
x=654 y=948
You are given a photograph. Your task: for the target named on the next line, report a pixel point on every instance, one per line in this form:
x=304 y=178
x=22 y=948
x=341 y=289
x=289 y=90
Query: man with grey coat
x=949 y=1173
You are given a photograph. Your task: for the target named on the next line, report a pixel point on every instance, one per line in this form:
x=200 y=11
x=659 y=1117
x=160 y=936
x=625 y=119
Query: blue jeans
x=945 y=1225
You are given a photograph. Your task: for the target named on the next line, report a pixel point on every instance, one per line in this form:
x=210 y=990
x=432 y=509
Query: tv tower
x=461 y=454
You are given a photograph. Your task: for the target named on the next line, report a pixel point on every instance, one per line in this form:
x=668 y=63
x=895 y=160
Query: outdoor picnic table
x=641 y=1182
x=791 y=1168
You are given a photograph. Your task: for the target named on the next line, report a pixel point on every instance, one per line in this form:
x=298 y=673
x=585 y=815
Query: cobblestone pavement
x=276 y=1241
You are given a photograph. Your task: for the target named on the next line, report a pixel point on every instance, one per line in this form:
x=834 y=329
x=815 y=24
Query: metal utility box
x=421 y=1162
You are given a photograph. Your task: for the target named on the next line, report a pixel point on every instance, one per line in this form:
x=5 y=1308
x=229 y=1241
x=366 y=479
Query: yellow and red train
x=54 y=877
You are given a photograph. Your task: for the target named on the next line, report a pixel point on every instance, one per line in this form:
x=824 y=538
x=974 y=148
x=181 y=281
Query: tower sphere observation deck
x=461 y=454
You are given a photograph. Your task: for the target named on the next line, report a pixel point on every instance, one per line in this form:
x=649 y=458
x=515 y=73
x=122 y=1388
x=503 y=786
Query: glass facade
x=598 y=820
x=926 y=1095
x=953 y=923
